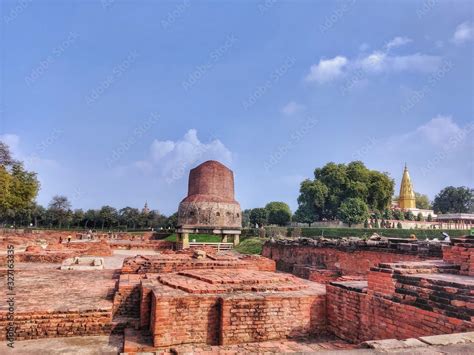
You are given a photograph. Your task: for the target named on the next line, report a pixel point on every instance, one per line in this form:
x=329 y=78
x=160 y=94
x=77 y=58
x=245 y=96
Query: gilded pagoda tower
x=407 y=194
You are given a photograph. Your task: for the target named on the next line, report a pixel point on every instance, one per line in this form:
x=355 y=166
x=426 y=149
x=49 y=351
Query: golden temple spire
x=407 y=194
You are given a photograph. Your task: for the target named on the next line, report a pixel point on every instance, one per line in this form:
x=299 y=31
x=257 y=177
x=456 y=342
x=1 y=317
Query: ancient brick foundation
x=34 y=325
x=233 y=306
x=327 y=261
x=179 y=261
x=402 y=300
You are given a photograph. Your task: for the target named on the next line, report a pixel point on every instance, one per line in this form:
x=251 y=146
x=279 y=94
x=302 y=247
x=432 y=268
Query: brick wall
x=36 y=325
x=397 y=305
x=184 y=320
x=348 y=262
x=127 y=298
x=461 y=254
x=245 y=319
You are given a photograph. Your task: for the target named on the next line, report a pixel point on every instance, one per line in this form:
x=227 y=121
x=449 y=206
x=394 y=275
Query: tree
x=422 y=201
x=322 y=197
x=77 y=217
x=246 y=218
x=311 y=201
x=387 y=214
x=420 y=217
x=108 y=216
x=278 y=213
x=129 y=217
x=258 y=216
x=409 y=216
x=58 y=210
x=353 y=211
x=5 y=155
x=398 y=215
x=429 y=218
x=172 y=221
x=453 y=200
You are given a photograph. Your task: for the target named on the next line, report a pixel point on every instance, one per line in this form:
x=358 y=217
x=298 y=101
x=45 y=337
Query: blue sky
x=113 y=102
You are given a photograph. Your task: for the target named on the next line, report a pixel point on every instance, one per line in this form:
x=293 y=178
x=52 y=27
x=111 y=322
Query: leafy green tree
x=387 y=214
x=420 y=217
x=422 y=201
x=429 y=218
x=321 y=198
x=172 y=221
x=59 y=210
x=311 y=201
x=453 y=200
x=399 y=225
x=246 y=218
x=278 y=213
x=77 y=217
x=258 y=216
x=409 y=216
x=353 y=211
x=108 y=216
x=398 y=215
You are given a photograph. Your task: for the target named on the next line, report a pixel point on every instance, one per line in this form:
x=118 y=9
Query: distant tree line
x=276 y=212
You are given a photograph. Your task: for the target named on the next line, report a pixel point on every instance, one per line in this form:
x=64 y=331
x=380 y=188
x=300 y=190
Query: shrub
x=296 y=232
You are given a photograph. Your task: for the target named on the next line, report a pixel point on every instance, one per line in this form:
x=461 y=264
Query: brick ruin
x=340 y=293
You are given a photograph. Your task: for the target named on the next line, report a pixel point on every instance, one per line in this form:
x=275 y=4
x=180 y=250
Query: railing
x=218 y=246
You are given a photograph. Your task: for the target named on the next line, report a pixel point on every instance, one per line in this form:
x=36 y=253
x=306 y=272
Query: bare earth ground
x=92 y=345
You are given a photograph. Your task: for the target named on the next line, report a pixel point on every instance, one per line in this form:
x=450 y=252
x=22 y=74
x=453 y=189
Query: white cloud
x=464 y=32
x=327 y=69
x=376 y=62
x=172 y=159
x=291 y=108
x=397 y=42
x=31 y=160
x=13 y=142
x=439 y=133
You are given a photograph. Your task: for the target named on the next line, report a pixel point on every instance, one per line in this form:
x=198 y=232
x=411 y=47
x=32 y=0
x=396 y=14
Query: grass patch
x=200 y=238
x=250 y=246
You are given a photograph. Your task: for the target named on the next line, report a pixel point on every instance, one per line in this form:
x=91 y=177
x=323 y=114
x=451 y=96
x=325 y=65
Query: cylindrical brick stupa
x=210 y=204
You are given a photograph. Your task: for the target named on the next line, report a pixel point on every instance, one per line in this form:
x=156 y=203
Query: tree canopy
x=353 y=211
x=18 y=188
x=322 y=197
x=278 y=213
x=454 y=200
x=422 y=201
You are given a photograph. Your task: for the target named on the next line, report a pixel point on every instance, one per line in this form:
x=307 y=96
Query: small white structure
x=83 y=263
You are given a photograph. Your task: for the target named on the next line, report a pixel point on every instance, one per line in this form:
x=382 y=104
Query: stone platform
x=59 y=303
x=232 y=306
x=179 y=261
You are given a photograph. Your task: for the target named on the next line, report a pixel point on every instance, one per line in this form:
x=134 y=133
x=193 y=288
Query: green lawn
x=250 y=246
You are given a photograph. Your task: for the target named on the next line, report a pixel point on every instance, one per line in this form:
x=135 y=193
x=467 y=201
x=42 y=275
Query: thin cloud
x=464 y=32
